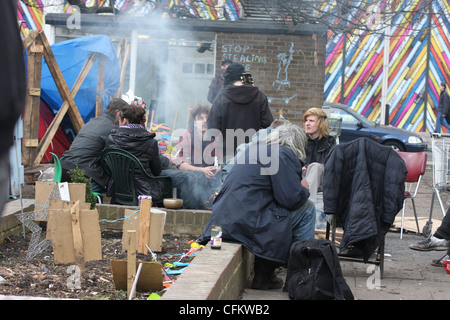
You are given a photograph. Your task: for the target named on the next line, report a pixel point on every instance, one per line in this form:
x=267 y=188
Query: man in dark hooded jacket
x=88 y=145
x=238 y=106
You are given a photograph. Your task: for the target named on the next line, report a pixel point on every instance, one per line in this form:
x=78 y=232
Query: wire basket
x=335 y=126
x=441 y=158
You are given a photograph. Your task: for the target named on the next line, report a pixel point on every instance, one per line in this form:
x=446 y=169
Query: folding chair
x=347 y=178
x=416 y=163
x=379 y=257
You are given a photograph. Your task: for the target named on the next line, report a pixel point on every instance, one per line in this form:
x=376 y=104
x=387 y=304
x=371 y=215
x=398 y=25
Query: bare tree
x=344 y=16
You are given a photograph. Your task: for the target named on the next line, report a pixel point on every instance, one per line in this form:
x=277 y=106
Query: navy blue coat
x=254 y=209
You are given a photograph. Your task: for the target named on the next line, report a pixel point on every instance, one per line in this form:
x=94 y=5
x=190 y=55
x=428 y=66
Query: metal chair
x=122 y=166
x=416 y=163
x=347 y=179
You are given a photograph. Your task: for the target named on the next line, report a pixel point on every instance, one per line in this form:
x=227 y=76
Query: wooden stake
x=76 y=233
x=173 y=128
x=151 y=120
x=131 y=260
x=100 y=86
x=187 y=117
x=144 y=225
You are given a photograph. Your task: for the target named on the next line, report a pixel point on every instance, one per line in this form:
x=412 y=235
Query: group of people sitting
x=266 y=189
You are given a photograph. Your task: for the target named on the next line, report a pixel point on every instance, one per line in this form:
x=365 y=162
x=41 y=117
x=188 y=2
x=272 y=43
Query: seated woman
x=196 y=177
x=263 y=203
x=132 y=136
x=318 y=146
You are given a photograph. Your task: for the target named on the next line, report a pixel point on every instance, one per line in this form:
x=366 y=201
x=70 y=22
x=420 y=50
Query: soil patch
x=40 y=277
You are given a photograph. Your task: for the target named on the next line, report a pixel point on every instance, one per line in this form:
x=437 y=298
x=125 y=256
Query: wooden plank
x=61 y=235
x=144 y=226
x=30 y=142
x=30 y=39
x=100 y=86
x=91 y=234
x=34 y=92
x=157 y=220
x=131 y=260
x=61 y=84
x=51 y=131
x=125 y=45
x=76 y=234
x=150 y=278
x=32 y=106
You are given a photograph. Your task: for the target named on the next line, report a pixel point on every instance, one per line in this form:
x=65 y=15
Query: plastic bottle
x=216 y=237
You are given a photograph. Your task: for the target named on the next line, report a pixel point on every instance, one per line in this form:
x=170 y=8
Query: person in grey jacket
x=88 y=145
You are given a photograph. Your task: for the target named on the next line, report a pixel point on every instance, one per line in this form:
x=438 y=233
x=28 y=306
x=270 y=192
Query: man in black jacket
x=88 y=145
x=239 y=111
x=443 y=110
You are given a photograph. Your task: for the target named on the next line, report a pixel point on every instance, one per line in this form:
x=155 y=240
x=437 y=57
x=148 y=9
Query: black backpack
x=314 y=272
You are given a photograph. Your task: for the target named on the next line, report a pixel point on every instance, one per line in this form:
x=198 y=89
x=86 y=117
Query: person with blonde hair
x=319 y=144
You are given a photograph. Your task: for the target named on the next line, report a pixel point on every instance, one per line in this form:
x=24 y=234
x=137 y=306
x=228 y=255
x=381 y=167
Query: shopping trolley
x=335 y=128
x=441 y=174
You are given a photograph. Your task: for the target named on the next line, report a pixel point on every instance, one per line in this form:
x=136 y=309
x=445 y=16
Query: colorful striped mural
x=418 y=62
x=30 y=15
x=414 y=59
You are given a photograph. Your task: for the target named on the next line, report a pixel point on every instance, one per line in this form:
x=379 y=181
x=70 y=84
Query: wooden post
x=100 y=86
x=32 y=101
x=131 y=260
x=123 y=60
x=144 y=225
x=76 y=233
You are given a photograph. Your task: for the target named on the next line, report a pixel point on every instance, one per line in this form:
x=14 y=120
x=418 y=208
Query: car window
x=347 y=119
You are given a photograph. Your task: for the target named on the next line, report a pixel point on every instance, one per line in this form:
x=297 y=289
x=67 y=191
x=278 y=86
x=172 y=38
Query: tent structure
x=71 y=56
x=76 y=78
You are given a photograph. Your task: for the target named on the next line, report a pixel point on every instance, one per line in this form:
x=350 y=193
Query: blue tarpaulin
x=71 y=56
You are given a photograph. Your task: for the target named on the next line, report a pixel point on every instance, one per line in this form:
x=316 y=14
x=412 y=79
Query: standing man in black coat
x=239 y=111
x=443 y=110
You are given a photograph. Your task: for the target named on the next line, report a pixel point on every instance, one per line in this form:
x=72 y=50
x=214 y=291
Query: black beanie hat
x=233 y=73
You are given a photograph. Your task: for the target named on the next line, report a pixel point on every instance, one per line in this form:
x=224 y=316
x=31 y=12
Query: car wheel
x=394 y=145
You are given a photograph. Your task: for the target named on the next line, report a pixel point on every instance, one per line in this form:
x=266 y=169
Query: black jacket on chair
x=364 y=185
x=143 y=146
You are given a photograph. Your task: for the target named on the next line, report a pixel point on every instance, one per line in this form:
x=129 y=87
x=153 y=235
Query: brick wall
x=282 y=66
